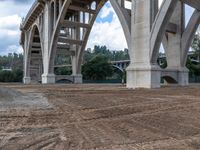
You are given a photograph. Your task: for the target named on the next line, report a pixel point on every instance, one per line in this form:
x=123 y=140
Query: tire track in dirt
x=104 y=117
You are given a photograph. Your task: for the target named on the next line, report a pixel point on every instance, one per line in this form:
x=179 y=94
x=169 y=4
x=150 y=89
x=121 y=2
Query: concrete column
x=75 y=34
x=26 y=78
x=47 y=77
x=60 y=5
x=121 y=3
x=174 y=50
x=141 y=73
x=55 y=12
x=77 y=77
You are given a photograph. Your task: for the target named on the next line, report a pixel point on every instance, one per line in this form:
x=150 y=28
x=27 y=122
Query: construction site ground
x=99 y=117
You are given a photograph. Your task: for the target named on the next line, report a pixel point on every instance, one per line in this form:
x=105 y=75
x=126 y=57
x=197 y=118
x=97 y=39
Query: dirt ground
x=99 y=117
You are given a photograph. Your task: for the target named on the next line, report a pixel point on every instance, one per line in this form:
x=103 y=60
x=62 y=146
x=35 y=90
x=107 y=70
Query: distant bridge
x=121 y=64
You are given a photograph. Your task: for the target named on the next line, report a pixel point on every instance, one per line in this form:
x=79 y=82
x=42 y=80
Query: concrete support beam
x=183 y=76
x=174 y=49
x=159 y=27
x=74 y=24
x=70 y=41
x=55 y=13
x=77 y=8
x=27 y=80
x=78 y=78
x=141 y=73
x=188 y=35
x=60 y=5
x=172 y=28
x=48 y=78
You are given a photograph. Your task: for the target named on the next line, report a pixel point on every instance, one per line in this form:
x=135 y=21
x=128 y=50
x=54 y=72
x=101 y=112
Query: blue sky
x=12 y=11
x=108 y=17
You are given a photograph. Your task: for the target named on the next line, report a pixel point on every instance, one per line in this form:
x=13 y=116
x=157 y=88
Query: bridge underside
x=57 y=28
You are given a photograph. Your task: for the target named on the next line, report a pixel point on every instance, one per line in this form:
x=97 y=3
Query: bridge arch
x=77 y=43
x=52 y=15
x=189 y=34
x=169 y=79
x=162 y=22
x=35 y=55
x=159 y=27
x=118 y=68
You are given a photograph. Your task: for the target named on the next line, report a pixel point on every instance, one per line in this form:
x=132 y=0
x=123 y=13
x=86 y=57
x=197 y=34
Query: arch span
x=169 y=79
x=33 y=56
x=159 y=27
x=76 y=20
x=188 y=35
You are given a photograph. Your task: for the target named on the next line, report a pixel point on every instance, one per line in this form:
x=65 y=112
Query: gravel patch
x=10 y=98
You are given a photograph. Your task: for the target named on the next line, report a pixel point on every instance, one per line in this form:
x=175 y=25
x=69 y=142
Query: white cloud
x=10 y=33
x=107 y=33
x=10 y=18
x=10 y=22
x=9 y=26
x=106 y=10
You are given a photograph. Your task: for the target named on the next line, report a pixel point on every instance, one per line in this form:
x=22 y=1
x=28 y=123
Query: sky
x=12 y=12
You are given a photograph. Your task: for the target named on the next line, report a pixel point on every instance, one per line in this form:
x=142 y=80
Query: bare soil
x=99 y=117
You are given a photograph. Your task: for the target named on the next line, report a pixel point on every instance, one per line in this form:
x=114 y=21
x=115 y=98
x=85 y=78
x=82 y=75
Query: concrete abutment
x=143 y=77
x=48 y=79
x=27 y=80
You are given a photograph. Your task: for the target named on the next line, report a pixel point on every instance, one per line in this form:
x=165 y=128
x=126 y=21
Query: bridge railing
x=34 y=5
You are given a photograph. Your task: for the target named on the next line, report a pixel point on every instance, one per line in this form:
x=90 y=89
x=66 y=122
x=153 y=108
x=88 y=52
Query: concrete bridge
x=63 y=26
x=121 y=64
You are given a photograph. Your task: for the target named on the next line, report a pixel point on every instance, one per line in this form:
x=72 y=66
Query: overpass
x=63 y=26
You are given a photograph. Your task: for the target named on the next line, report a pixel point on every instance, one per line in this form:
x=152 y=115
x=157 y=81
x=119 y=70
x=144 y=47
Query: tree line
x=11 y=67
x=96 y=64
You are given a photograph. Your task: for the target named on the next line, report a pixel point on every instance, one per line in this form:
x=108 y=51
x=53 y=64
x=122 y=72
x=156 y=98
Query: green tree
x=194 y=67
x=11 y=76
x=14 y=61
x=63 y=71
x=114 y=55
x=97 y=69
x=196 y=46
